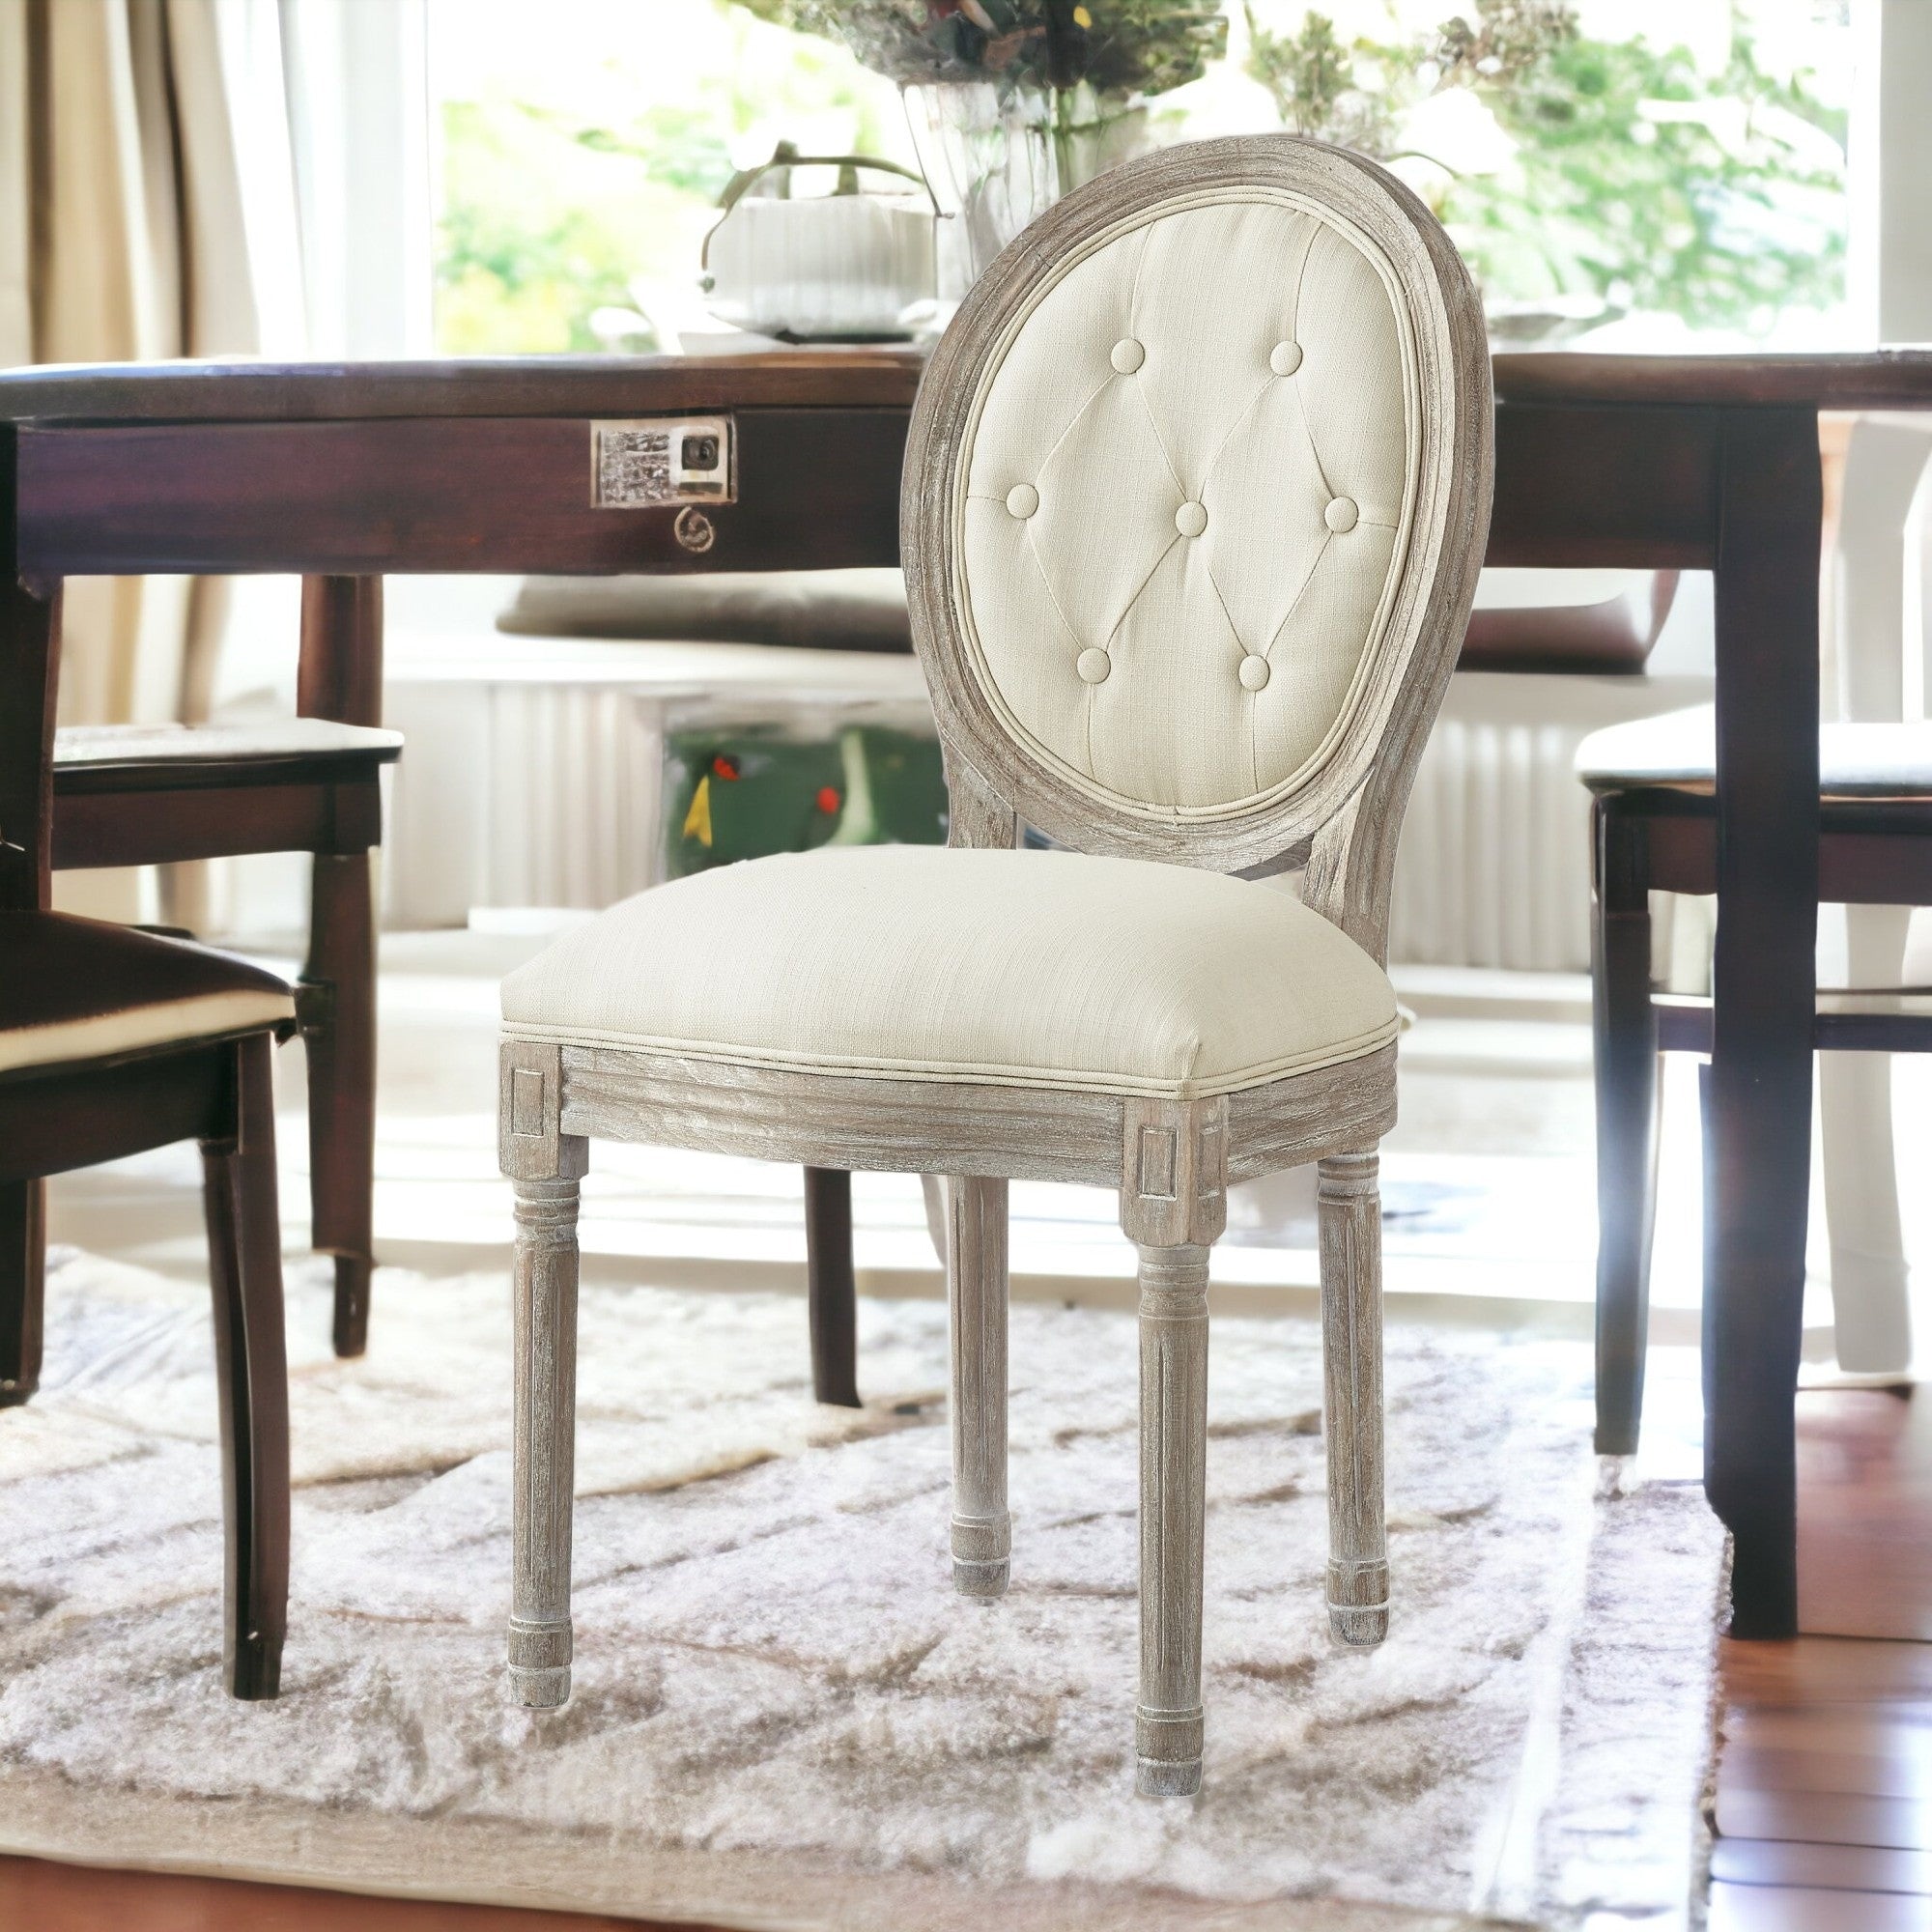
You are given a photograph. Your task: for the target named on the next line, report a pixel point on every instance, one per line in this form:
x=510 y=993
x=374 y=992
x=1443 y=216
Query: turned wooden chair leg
x=340 y=973
x=545 y=1166
x=23 y=1256
x=1349 y=1207
x=546 y=1439
x=1168 y=1723
x=245 y=1247
x=830 y=1291
x=1174 y=1206
x=975 y=1276
x=1628 y=1090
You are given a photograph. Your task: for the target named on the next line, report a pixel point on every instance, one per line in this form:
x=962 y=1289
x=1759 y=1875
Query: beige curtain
x=123 y=236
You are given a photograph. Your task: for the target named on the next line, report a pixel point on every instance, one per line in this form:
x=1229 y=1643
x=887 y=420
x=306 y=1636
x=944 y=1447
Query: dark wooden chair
x=1654 y=829
x=139 y=795
x=112 y=1041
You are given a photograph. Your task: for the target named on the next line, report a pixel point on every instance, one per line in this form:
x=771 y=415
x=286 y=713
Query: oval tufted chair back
x=1195 y=497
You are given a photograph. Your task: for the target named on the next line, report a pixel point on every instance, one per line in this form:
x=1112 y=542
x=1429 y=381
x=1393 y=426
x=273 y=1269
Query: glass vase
x=998 y=156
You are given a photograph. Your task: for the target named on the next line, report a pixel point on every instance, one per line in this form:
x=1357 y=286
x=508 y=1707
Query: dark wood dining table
x=350 y=472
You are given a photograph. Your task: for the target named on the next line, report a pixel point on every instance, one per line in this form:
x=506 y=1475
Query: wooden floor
x=1824 y=1791
x=1825 y=1785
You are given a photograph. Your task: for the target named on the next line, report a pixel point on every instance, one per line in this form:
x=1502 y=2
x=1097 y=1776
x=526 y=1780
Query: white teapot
x=845 y=266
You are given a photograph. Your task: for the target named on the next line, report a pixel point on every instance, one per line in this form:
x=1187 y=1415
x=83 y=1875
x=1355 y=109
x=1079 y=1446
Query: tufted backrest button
x=1254 y=673
x=1022 y=500
x=1285 y=358
x=1093 y=665
x=1340 y=516
x=1127 y=356
x=1190 y=520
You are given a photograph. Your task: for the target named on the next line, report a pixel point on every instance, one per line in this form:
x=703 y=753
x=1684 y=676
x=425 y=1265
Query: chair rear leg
x=245 y=1246
x=1627 y=1088
x=831 y=1291
x=976 y=1281
x=341 y=1045
x=1871 y=1308
x=1349 y=1197
x=23 y=1257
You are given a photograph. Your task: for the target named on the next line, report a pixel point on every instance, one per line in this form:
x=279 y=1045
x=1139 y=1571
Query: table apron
x=816 y=488
x=1595 y=487
x=1577 y=486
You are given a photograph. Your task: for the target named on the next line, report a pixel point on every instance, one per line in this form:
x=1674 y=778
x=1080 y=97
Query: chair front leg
x=545 y=1454
x=545 y=1166
x=23 y=1265
x=1348 y=1195
x=244 y=1248
x=1169 y=1723
x=1174 y=1204
x=975 y=1275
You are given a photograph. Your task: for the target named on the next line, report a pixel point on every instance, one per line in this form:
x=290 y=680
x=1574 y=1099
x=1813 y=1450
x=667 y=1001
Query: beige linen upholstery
x=1048 y=968
x=1186 y=490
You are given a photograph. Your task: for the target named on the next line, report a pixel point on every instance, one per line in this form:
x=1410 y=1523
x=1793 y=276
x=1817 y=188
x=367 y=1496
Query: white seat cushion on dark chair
x=74 y=989
x=1677 y=752
x=1048 y=968
x=268 y=738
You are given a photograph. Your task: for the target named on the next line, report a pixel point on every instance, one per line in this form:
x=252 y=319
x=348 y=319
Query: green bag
x=750 y=791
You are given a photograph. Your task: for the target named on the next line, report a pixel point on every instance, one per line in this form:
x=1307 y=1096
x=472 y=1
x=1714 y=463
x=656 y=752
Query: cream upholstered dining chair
x=1195 y=495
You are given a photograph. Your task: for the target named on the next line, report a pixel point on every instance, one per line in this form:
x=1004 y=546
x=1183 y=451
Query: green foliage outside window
x=1637 y=179
x=549 y=214
x=542 y=221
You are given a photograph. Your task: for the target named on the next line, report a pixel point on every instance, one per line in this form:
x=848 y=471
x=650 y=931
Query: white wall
x=1891 y=172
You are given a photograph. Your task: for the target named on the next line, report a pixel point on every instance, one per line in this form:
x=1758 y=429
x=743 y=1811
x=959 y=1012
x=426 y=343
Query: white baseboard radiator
x=527 y=793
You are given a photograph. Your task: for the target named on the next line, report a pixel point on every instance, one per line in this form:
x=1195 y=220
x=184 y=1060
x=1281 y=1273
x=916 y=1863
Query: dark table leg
x=30 y=665
x=1764 y=989
x=23 y=1260
x=341 y=678
x=829 y=1290
x=1627 y=1091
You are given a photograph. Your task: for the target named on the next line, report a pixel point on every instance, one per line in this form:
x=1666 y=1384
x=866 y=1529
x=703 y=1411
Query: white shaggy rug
x=782 y=1715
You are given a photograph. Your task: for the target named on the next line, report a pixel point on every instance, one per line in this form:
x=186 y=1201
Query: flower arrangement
x=1012 y=103
x=1116 y=48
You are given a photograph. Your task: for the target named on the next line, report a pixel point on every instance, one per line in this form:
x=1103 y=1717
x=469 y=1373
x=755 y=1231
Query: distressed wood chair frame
x=1171 y=1160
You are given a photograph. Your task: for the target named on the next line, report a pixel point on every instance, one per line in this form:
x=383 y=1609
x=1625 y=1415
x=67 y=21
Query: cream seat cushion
x=1040 y=969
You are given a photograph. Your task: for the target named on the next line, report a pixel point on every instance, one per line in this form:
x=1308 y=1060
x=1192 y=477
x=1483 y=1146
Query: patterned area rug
x=782 y=1715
